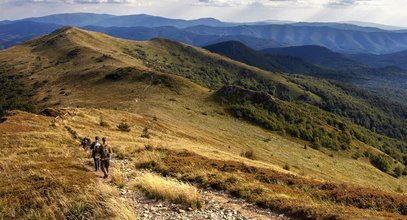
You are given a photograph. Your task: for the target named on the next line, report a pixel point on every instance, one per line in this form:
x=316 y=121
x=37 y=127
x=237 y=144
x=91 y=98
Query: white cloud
x=233 y=3
x=390 y=12
x=286 y=3
x=347 y=3
x=20 y=2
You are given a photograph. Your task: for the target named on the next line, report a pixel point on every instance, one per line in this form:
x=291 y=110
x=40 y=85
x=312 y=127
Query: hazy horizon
x=390 y=13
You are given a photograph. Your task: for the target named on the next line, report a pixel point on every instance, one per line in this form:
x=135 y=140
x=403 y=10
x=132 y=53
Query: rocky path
x=216 y=205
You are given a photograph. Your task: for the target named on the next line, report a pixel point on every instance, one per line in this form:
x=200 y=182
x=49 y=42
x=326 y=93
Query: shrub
x=120 y=74
x=398 y=171
x=103 y=123
x=286 y=167
x=399 y=189
x=73 y=53
x=145 y=133
x=356 y=156
x=248 y=154
x=123 y=126
x=267 y=140
x=380 y=162
x=158 y=187
x=149 y=147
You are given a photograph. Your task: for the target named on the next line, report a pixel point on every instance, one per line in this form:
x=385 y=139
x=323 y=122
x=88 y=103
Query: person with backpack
x=85 y=143
x=94 y=147
x=105 y=152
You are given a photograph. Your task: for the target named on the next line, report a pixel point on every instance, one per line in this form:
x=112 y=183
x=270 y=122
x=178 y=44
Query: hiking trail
x=216 y=204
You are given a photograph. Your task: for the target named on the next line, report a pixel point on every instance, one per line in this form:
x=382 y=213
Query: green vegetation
x=296 y=120
x=209 y=71
x=13 y=93
x=324 y=113
x=123 y=126
x=369 y=111
x=145 y=133
x=320 y=128
x=120 y=73
x=380 y=162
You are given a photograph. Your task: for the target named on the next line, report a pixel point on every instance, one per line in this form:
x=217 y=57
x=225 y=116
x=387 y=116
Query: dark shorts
x=105 y=162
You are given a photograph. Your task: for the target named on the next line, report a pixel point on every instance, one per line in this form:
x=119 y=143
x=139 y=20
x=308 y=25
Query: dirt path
x=216 y=205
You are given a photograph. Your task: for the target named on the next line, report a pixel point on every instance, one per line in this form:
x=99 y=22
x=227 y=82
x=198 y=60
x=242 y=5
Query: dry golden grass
x=148 y=159
x=156 y=186
x=117 y=177
x=42 y=177
x=118 y=207
x=51 y=148
x=293 y=195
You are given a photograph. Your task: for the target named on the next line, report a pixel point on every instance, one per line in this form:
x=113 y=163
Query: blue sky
x=390 y=12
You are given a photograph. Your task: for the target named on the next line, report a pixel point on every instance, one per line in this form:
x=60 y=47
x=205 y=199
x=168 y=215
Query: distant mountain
x=339 y=37
x=398 y=59
x=317 y=55
x=20 y=31
x=5 y=22
x=143 y=20
x=390 y=82
x=105 y=20
x=339 y=26
x=12 y=33
x=380 y=26
x=72 y=19
x=240 y=52
x=172 y=33
x=252 y=42
x=344 y=41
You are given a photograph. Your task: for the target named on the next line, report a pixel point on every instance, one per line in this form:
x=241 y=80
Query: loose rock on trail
x=217 y=205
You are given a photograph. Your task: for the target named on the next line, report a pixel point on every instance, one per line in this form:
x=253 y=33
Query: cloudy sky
x=390 y=12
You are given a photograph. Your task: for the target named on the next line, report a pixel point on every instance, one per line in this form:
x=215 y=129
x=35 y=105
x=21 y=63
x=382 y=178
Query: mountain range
x=320 y=62
x=105 y=20
x=339 y=37
x=397 y=59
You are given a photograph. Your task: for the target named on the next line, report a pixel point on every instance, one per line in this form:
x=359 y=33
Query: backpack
x=104 y=153
x=94 y=147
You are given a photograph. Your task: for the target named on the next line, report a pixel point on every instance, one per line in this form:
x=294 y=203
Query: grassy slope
x=42 y=176
x=186 y=116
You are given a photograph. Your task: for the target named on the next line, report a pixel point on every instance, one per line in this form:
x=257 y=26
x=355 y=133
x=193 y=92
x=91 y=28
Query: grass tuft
x=79 y=210
x=158 y=187
x=117 y=177
x=149 y=159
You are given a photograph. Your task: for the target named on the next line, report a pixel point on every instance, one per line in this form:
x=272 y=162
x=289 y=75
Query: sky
x=389 y=12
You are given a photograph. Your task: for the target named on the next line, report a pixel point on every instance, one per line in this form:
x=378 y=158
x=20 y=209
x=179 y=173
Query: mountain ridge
x=343 y=38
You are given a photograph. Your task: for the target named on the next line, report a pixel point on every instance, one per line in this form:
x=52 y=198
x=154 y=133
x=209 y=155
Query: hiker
x=94 y=147
x=85 y=143
x=105 y=151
